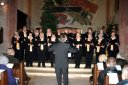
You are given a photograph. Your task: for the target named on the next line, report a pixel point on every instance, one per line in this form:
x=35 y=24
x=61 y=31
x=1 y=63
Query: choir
x=32 y=45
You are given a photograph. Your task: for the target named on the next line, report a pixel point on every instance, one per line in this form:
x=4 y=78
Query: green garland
x=48 y=19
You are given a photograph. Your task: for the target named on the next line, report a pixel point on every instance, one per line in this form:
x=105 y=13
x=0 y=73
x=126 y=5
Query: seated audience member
x=102 y=59
x=3 y=62
x=124 y=76
x=10 y=55
x=111 y=62
x=119 y=56
x=120 y=60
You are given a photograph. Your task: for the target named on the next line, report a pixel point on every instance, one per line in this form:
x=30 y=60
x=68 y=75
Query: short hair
x=102 y=58
x=125 y=72
x=111 y=62
x=63 y=37
x=3 y=60
x=10 y=51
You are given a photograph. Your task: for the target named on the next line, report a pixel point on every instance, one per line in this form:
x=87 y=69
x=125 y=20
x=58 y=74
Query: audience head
x=111 y=62
x=102 y=58
x=10 y=51
x=125 y=72
x=3 y=60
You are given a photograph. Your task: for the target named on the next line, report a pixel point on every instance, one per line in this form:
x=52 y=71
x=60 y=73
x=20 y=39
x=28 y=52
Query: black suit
x=104 y=73
x=61 y=50
x=123 y=82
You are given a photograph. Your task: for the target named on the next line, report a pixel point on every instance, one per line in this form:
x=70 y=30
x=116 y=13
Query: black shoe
x=86 y=67
x=31 y=65
x=77 y=67
x=27 y=65
x=43 y=66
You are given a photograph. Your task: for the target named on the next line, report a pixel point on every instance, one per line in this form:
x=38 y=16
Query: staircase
x=46 y=75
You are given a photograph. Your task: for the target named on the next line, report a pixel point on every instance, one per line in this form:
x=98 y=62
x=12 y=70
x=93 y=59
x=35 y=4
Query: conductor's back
x=61 y=50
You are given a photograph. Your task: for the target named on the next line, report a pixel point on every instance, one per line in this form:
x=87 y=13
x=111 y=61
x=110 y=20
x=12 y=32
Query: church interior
x=90 y=20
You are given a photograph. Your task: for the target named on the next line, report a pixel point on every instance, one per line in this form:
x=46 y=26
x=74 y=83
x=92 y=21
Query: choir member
x=58 y=32
x=16 y=45
x=48 y=54
x=29 y=50
x=41 y=50
x=36 y=37
x=78 y=54
x=52 y=54
x=113 y=45
x=40 y=30
x=102 y=33
x=23 y=35
x=100 y=46
x=89 y=31
x=88 y=48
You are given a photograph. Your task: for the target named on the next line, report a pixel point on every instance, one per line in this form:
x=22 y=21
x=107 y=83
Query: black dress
x=41 y=52
x=100 y=48
x=89 y=50
x=113 y=48
x=16 y=45
x=29 y=52
x=78 y=54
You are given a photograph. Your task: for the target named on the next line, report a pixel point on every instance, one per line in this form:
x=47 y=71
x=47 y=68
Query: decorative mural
x=81 y=11
x=70 y=11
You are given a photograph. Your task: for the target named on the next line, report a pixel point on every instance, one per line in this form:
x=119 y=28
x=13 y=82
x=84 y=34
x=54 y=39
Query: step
x=49 y=71
x=35 y=64
x=52 y=69
x=53 y=75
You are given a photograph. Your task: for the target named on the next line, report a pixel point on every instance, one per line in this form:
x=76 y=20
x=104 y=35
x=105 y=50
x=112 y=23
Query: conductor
x=61 y=50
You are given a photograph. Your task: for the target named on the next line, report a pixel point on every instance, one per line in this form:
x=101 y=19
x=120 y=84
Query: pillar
x=123 y=27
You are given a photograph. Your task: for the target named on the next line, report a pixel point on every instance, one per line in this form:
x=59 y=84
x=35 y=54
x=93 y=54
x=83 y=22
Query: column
x=123 y=27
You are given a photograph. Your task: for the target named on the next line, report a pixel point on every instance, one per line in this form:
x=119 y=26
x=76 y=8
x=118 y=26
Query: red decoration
x=62 y=18
x=85 y=4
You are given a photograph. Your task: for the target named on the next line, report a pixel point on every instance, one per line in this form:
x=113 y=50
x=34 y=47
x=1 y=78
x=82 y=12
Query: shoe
x=31 y=65
x=43 y=66
x=85 y=67
x=38 y=65
x=27 y=65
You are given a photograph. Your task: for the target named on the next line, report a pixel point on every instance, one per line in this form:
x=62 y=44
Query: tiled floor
x=52 y=81
x=46 y=76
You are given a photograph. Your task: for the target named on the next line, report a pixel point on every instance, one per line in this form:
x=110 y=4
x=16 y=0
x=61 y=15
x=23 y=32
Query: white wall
x=36 y=13
x=3 y=23
x=22 y=5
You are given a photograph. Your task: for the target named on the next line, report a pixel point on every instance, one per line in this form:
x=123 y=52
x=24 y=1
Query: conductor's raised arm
x=72 y=49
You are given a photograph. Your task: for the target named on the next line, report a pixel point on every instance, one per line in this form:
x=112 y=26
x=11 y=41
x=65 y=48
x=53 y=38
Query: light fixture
x=2 y=3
